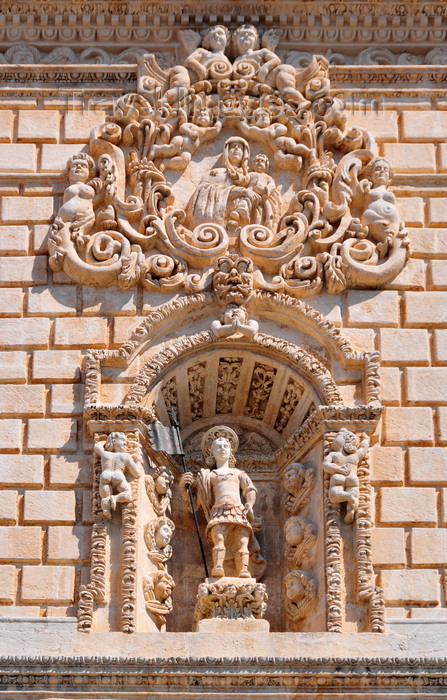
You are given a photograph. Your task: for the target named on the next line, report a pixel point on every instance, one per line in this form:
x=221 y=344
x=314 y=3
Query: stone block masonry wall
x=46 y=322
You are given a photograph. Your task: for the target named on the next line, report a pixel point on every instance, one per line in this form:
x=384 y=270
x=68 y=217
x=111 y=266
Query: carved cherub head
x=203 y=116
x=163 y=585
x=245 y=38
x=294 y=477
x=216 y=38
x=116 y=442
x=162 y=480
x=261 y=117
x=158 y=534
x=80 y=168
x=214 y=440
x=294 y=531
x=379 y=171
x=294 y=587
x=345 y=440
x=261 y=163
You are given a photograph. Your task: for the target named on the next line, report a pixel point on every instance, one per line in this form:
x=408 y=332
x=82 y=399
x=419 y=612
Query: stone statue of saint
x=227 y=496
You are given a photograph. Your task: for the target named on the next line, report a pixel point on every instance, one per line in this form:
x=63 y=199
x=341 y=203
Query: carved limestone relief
x=347 y=502
x=232 y=153
x=122 y=581
x=300 y=583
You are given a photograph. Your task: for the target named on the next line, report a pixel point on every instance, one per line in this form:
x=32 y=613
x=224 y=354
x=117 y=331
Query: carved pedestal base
x=230 y=599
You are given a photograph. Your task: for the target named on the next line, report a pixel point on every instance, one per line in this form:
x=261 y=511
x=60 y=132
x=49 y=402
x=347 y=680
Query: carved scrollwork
x=147 y=207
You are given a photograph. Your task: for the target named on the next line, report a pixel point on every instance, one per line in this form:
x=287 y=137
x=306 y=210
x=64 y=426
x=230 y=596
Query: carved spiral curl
x=246 y=69
x=207 y=236
x=105 y=248
x=302 y=268
x=161 y=266
x=258 y=236
x=220 y=69
x=362 y=250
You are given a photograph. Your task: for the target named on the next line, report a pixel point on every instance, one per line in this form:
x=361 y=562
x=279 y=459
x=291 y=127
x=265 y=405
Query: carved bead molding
x=282 y=181
x=134 y=675
x=46 y=32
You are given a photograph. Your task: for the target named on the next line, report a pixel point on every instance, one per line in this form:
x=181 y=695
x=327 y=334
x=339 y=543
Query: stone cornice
x=132 y=675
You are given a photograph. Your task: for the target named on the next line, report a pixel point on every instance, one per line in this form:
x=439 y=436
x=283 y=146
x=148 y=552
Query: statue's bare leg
x=105 y=493
x=218 y=537
x=242 y=555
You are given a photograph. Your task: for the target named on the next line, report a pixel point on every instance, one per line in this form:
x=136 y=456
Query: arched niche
x=286 y=407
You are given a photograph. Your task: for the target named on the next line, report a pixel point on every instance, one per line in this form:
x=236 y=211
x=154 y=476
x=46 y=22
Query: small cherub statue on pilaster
x=341 y=463
x=114 y=462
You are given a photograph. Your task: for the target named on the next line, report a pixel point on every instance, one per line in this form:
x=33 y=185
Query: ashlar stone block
x=49 y=507
x=411 y=586
x=47 y=584
x=429 y=546
x=408 y=505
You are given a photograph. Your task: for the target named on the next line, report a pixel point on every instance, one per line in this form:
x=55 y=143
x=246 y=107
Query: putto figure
x=227 y=496
x=341 y=463
x=114 y=462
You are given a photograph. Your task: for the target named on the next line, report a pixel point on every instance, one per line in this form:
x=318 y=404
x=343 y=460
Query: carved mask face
x=163 y=536
x=79 y=172
x=221 y=448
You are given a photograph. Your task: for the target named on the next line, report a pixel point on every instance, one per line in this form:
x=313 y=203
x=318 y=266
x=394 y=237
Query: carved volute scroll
x=282 y=181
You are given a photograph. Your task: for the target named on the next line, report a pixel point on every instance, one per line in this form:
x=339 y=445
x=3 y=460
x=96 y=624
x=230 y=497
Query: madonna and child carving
x=227 y=497
x=233 y=152
x=115 y=461
x=346 y=453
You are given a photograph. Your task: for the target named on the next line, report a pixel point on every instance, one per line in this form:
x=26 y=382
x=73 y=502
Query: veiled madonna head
x=236 y=153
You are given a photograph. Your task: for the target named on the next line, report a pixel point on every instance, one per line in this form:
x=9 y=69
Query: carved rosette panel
x=295 y=191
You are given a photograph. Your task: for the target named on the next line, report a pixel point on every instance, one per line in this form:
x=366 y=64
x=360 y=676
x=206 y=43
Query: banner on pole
x=164 y=439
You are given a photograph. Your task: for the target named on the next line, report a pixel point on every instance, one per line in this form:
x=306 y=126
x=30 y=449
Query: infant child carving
x=341 y=463
x=114 y=462
x=231 y=520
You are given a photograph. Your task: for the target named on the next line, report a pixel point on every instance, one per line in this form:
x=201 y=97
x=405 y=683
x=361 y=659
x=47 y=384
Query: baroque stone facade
x=223 y=237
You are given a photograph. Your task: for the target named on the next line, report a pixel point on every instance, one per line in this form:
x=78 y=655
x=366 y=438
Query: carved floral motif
x=231 y=599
